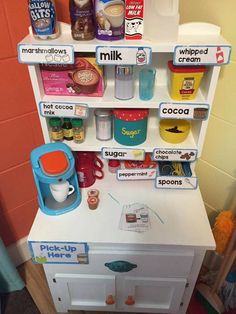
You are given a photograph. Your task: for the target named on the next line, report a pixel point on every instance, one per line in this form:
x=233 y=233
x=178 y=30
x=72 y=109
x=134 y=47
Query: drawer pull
x=110 y=300
x=120 y=266
x=130 y=300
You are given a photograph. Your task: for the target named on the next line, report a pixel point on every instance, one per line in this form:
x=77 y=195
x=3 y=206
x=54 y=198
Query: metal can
x=104 y=129
x=43 y=18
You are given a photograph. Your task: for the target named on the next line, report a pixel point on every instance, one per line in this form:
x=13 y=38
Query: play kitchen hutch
x=142 y=248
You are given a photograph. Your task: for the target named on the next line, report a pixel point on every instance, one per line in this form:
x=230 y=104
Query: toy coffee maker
x=54 y=173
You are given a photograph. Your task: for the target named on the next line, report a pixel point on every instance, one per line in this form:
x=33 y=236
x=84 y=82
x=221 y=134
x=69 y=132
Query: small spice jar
x=124 y=85
x=103 y=124
x=113 y=165
x=56 y=129
x=67 y=129
x=78 y=130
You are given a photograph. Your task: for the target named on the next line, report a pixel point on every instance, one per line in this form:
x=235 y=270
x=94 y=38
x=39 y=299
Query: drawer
x=168 y=264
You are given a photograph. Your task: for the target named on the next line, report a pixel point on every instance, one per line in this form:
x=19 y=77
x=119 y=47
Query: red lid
x=114 y=163
x=186 y=69
x=131 y=114
x=54 y=163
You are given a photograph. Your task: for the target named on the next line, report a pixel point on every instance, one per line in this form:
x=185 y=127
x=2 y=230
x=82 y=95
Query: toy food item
x=184 y=81
x=174 y=131
x=83 y=78
x=92 y=202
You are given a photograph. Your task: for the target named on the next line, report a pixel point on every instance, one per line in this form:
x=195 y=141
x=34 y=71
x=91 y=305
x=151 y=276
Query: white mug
x=61 y=190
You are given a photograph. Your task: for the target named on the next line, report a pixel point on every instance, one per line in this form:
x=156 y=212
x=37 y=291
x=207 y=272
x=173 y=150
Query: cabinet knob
x=110 y=300
x=130 y=300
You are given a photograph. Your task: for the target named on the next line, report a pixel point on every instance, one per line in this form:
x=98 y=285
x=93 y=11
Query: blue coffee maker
x=55 y=177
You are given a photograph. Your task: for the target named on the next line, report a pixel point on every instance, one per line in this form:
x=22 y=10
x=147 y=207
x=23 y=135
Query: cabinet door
x=142 y=294
x=86 y=292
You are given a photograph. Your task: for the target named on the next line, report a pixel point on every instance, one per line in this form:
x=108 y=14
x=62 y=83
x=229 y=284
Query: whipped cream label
x=199 y=55
x=59 y=252
x=116 y=55
x=58 y=109
x=56 y=54
x=184 y=111
x=136 y=174
x=174 y=182
x=123 y=153
x=170 y=154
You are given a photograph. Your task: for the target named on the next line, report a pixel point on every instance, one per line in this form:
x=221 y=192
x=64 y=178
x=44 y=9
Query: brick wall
x=19 y=125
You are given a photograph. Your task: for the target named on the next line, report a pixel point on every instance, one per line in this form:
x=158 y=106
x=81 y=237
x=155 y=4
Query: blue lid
x=231 y=277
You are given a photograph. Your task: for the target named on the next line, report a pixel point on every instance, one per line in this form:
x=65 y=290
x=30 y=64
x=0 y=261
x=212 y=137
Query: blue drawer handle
x=120 y=266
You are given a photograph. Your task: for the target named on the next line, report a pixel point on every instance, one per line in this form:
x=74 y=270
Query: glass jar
x=78 y=130
x=56 y=129
x=67 y=129
x=103 y=124
x=124 y=85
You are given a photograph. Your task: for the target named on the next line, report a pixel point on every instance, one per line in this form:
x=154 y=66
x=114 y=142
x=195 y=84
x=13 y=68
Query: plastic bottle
x=43 y=19
x=82 y=21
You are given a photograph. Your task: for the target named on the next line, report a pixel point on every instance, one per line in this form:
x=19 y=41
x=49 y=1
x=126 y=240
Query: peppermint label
x=136 y=174
x=200 y=55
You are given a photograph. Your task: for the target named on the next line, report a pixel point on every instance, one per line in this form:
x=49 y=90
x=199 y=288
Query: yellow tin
x=174 y=131
x=184 y=81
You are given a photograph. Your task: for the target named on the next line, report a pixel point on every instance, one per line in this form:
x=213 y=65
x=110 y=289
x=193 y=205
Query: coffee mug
x=88 y=168
x=114 y=11
x=61 y=190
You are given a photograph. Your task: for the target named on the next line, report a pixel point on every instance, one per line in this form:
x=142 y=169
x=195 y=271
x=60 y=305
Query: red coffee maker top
x=54 y=163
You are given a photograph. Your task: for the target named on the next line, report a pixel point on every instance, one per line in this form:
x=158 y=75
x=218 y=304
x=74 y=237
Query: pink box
x=83 y=78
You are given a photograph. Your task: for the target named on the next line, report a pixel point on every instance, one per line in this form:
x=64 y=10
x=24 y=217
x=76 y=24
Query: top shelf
x=189 y=34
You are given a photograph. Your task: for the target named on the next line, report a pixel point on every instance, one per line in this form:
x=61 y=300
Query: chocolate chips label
x=185 y=111
x=200 y=55
x=123 y=153
x=52 y=109
x=116 y=55
x=170 y=154
x=57 y=54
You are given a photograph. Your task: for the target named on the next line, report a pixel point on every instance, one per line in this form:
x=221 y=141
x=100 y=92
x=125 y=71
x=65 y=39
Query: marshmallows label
x=57 y=54
x=184 y=111
x=50 y=109
x=136 y=174
x=59 y=252
x=196 y=55
x=123 y=55
x=174 y=182
x=123 y=153
x=170 y=154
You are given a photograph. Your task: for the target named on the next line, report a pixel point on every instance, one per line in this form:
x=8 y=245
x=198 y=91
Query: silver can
x=104 y=128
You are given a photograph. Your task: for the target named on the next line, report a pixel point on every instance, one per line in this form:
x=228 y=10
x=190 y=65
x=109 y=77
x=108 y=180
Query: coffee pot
x=54 y=173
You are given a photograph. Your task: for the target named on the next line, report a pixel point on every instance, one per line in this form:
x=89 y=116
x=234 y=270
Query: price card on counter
x=56 y=54
x=59 y=109
x=59 y=252
x=200 y=55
